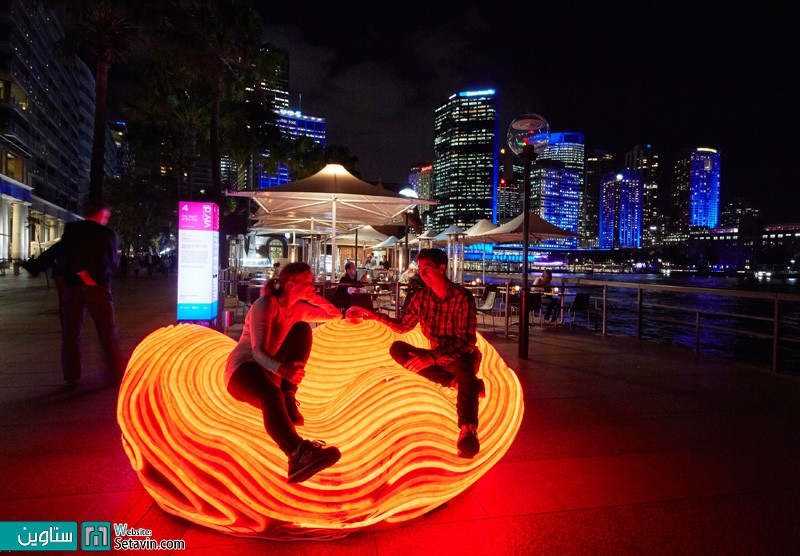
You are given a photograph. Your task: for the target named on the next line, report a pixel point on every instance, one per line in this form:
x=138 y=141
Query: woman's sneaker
x=310 y=458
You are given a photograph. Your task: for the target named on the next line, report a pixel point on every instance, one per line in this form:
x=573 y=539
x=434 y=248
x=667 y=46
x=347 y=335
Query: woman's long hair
x=276 y=286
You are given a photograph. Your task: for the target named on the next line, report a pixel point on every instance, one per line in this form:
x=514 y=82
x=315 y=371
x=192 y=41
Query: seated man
x=447 y=315
x=344 y=290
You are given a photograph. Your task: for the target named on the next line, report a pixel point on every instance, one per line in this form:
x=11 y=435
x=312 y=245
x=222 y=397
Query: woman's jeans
x=253 y=384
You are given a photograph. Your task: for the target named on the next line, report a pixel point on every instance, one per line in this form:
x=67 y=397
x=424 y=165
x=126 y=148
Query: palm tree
x=214 y=41
x=105 y=32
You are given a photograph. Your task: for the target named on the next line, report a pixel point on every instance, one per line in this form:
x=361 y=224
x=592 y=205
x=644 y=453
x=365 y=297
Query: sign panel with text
x=198 y=260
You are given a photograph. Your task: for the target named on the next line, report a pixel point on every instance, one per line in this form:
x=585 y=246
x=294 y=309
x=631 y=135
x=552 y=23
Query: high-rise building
x=509 y=185
x=465 y=159
x=645 y=160
x=555 y=196
x=46 y=117
x=598 y=164
x=621 y=201
x=275 y=86
x=421 y=180
x=293 y=125
x=562 y=206
x=695 y=196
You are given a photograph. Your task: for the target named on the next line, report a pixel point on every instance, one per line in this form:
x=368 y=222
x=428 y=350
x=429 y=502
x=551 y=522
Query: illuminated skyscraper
x=598 y=164
x=555 y=196
x=421 y=180
x=621 y=200
x=465 y=159
x=294 y=125
x=557 y=183
x=644 y=159
x=509 y=185
x=696 y=194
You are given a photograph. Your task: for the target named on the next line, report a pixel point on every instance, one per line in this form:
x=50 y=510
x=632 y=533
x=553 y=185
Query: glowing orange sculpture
x=206 y=457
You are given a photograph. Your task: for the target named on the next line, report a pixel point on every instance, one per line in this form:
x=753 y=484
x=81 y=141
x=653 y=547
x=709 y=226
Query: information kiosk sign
x=198 y=261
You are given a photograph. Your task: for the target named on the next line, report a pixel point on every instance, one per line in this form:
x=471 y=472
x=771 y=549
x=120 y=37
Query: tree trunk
x=96 y=172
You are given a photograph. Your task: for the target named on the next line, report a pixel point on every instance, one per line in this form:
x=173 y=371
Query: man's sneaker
x=468 y=444
x=310 y=458
x=292 y=409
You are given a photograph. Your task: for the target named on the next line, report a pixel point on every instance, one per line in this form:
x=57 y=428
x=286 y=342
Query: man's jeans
x=461 y=372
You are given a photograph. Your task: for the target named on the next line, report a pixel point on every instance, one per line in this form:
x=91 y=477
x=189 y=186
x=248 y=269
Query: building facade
x=555 y=197
x=598 y=164
x=421 y=180
x=695 y=197
x=465 y=159
x=645 y=160
x=46 y=115
x=621 y=201
x=293 y=125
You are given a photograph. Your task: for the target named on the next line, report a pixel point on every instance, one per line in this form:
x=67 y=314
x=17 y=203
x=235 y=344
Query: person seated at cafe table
x=447 y=316
x=348 y=284
x=542 y=284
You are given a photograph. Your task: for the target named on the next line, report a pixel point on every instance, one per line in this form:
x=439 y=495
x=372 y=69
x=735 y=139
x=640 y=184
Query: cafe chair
x=580 y=304
x=486 y=304
x=534 y=301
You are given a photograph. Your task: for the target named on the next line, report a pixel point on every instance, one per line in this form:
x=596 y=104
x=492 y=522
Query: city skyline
x=621 y=75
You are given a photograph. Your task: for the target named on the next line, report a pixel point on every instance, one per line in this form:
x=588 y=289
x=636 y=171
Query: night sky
x=673 y=75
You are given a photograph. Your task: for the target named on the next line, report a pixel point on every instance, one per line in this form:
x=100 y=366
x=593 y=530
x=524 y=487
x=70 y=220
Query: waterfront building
x=695 y=197
x=598 y=164
x=780 y=245
x=46 y=118
x=733 y=212
x=465 y=159
x=555 y=196
x=621 y=202
x=421 y=180
x=645 y=160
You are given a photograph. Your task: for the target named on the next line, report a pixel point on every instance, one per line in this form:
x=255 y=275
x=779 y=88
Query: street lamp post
x=528 y=135
x=410 y=193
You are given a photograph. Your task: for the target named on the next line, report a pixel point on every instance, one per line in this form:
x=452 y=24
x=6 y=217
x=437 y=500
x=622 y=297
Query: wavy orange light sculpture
x=206 y=457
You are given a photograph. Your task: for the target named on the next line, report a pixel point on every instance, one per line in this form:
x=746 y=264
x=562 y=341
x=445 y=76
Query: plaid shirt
x=448 y=323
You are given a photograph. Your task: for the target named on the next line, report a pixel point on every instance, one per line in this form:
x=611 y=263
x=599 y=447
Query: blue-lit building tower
x=465 y=159
x=294 y=125
x=555 y=196
x=696 y=193
x=621 y=201
x=557 y=181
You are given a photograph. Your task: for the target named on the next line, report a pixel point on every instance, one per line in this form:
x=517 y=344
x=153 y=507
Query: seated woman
x=268 y=363
x=542 y=284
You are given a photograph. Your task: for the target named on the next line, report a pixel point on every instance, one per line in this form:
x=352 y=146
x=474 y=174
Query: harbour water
x=730 y=326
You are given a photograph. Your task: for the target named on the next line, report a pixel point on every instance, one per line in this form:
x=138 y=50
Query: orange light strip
x=205 y=457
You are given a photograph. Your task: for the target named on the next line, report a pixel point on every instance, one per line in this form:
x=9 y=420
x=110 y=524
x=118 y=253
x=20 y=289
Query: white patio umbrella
x=480 y=227
x=335 y=199
x=511 y=231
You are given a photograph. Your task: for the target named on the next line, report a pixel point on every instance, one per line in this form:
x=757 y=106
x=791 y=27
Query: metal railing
x=696 y=317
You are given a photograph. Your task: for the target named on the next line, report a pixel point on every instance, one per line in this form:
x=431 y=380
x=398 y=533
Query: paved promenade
x=625 y=448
